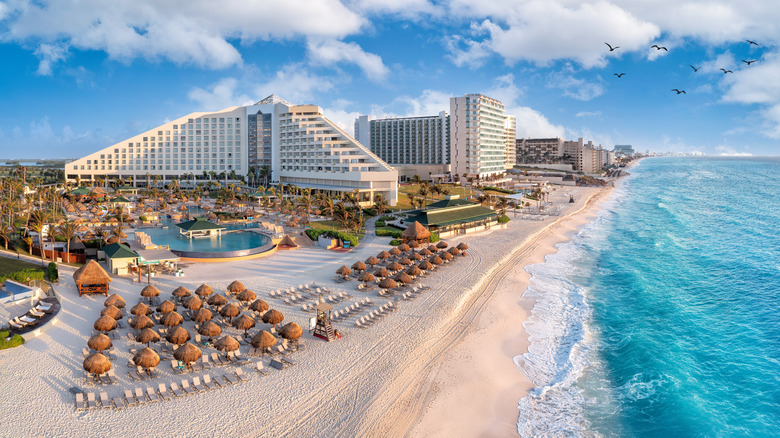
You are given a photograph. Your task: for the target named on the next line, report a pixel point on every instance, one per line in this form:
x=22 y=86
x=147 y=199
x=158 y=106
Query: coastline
x=473 y=387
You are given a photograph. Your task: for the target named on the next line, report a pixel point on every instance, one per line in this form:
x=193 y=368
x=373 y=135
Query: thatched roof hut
x=166 y=306
x=236 y=287
x=436 y=260
x=381 y=273
x=383 y=255
x=147 y=335
x=405 y=261
x=229 y=310
x=146 y=358
x=246 y=296
x=244 y=322
x=416 y=233
x=202 y=315
x=150 y=292
x=227 y=344
x=171 y=319
x=193 y=303
x=415 y=256
x=96 y=363
x=367 y=277
x=433 y=249
x=116 y=301
x=463 y=246
x=425 y=252
x=92 y=278
x=425 y=265
x=141 y=322
x=372 y=261
x=454 y=251
x=441 y=245
x=181 y=292
x=112 y=311
x=394 y=251
x=217 y=300
x=259 y=306
x=141 y=309
x=99 y=342
x=343 y=270
x=187 y=353
x=178 y=336
x=210 y=329
x=273 y=317
x=263 y=339
x=413 y=244
x=388 y=283
x=395 y=266
x=414 y=270
x=105 y=324
x=445 y=255
x=291 y=331
x=359 y=266
x=404 y=247
x=204 y=290
x=403 y=278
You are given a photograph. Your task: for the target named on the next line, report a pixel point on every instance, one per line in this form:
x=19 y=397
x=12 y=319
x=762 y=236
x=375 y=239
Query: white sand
x=373 y=382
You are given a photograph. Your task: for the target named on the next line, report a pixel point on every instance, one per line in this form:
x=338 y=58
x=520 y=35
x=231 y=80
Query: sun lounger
x=80 y=404
x=118 y=403
x=208 y=383
x=240 y=374
x=178 y=369
x=238 y=358
x=196 y=384
x=289 y=361
x=260 y=369
x=278 y=364
x=217 y=359
x=185 y=386
x=176 y=391
x=84 y=352
x=134 y=375
x=230 y=379
x=205 y=362
x=163 y=391
x=43 y=306
x=36 y=313
x=105 y=403
x=220 y=381
x=139 y=395
x=129 y=398
x=151 y=395
x=91 y=402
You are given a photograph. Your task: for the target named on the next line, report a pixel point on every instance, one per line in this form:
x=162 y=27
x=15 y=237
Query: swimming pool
x=235 y=241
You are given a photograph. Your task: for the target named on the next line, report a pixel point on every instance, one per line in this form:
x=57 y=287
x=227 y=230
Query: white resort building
x=297 y=143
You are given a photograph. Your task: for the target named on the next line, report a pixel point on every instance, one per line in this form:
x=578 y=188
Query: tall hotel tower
x=482 y=137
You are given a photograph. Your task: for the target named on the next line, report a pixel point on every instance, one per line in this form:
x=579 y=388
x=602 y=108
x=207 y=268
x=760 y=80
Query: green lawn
x=334 y=225
x=403 y=192
x=8 y=266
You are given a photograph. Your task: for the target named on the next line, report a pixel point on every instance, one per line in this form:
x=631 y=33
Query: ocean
x=661 y=318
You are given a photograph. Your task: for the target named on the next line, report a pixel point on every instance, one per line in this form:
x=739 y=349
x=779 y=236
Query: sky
x=81 y=75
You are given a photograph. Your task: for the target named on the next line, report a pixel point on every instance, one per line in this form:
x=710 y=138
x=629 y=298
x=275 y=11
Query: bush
x=503 y=219
x=386 y=233
x=23 y=275
x=369 y=212
x=314 y=234
x=15 y=341
x=386 y=218
x=143 y=218
x=498 y=189
x=395 y=242
x=380 y=223
x=434 y=238
x=54 y=274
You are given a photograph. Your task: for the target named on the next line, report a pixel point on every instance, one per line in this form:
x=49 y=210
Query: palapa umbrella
x=105 y=324
x=187 y=353
x=116 y=301
x=273 y=317
x=372 y=261
x=146 y=358
x=432 y=248
x=395 y=266
x=112 y=239
x=425 y=265
x=454 y=251
x=259 y=306
x=359 y=266
x=150 y=292
x=229 y=311
x=445 y=255
x=415 y=256
x=367 y=277
x=97 y=364
x=436 y=260
x=166 y=306
x=99 y=342
x=217 y=300
x=405 y=261
x=141 y=309
x=381 y=273
x=181 y=292
x=193 y=303
x=210 y=329
x=291 y=331
x=441 y=245
x=403 y=278
x=413 y=244
x=244 y=322
x=236 y=287
x=178 y=336
x=112 y=311
x=204 y=290
x=463 y=246
x=404 y=247
x=227 y=344
x=141 y=322
x=246 y=296
x=388 y=283
x=425 y=252
x=171 y=319
x=147 y=336
x=395 y=251
x=202 y=315
x=414 y=270
x=263 y=340
x=383 y=255
x=343 y=270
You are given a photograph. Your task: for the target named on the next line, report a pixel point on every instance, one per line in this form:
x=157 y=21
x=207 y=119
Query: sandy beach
x=441 y=363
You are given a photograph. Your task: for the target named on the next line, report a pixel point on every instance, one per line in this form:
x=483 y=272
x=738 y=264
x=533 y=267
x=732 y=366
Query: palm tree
x=423 y=191
x=6 y=231
x=39 y=224
x=501 y=205
x=102 y=235
x=380 y=203
x=67 y=230
x=412 y=199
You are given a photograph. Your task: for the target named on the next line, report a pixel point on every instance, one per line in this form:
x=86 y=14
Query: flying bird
x=679 y=91
x=726 y=71
x=657 y=47
x=694 y=68
x=618 y=75
x=749 y=62
x=752 y=43
x=611 y=49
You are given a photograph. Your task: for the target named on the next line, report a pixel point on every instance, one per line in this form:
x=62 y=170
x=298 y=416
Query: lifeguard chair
x=322 y=326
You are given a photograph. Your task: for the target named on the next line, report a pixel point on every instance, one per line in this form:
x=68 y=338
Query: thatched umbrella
x=454 y=251
x=181 y=292
x=112 y=311
x=414 y=245
x=193 y=303
x=415 y=256
x=178 y=336
x=166 y=306
x=359 y=266
x=441 y=245
x=273 y=317
x=433 y=249
x=171 y=319
x=246 y=296
x=229 y=311
x=395 y=266
x=425 y=265
x=141 y=309
x=367 y=277
x=187 y=353
x=414 y=270
x=210 y=329
x=146 y=358
x=105 y=324
x=147 y=336
x=244 y=322
x=445 y=255
x=150 y=292
x=394 y=251
x=388 y=283
x=204 y=290
x=202 y=315
x=436 y=260
x=236 y=287
x=97 y=364
x=217 y=300
x=116 y=301
x=425 y=252
x=403 y=278
x=141 y=322
x=99 y=342
x=263 y=340
x=227 y=344
x=343 y=270
x=372 y=261
x=259 y=306
x=463 y=246
x=404 y=247
x=405 y=261
x=291 y=331
x=381 y=272
x=383 y=255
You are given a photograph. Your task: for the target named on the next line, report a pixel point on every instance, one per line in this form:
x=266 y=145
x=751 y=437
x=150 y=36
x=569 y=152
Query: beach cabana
x=273 y=317
x=200 y=227
x=116 y=301
x=99 y=342
x=227 y=344
x=259 y=306
x=178 y=336
x=91 y=279
x=210 y=329
x=244 y=322
x=147 y=335
x=416 y=233
x=202 y=315
x=229 y=311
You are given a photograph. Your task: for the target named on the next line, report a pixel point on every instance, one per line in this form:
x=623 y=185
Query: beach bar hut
x=91 y=279
x=200 y=227
x=416 y=232
x=321 y=325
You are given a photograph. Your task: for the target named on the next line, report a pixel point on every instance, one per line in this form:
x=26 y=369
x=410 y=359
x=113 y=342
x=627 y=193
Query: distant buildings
x=559 y=153
x=625 y=150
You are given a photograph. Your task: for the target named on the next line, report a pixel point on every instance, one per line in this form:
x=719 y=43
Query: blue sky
x=81 y=75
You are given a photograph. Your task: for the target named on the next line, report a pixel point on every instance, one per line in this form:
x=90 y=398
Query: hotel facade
x=297 y=143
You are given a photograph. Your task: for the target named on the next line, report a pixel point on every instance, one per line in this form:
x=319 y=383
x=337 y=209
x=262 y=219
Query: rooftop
x=119 y=251
x=199 y=224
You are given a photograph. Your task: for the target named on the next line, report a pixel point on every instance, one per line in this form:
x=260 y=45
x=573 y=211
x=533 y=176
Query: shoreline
x=472 y=389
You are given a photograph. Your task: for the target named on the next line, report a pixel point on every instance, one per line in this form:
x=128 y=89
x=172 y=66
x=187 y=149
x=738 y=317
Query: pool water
x=229 y=241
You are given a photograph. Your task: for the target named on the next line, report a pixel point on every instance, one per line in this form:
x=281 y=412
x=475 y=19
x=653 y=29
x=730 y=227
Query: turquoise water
x=662 y=317
x=232 y=241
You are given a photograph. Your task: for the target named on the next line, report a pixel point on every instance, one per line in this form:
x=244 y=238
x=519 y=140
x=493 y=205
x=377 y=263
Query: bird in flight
x=611 y=49
x=619 y=75
x=726 y=71
x=657 y=47
x=749 y=62
x=752 y=42
x=694 y=68
x=679 y=91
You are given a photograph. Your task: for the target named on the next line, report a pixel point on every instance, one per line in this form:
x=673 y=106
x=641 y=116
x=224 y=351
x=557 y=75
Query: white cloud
x=339 y=113
x=409 y=9
x=3 y=10
x=530 y=123
x=728 y=151
x=473 y=55
x=757 y=84
x=221 y=94
x=588 y=114
x=430 y=102
x=330 y=52
x=49 y=54
x=40 y=140
x=294 y=83
x=576 y=88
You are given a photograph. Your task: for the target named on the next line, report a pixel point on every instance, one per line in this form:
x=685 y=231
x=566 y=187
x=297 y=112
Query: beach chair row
x=375 y=315
x=351 y=310
x=412 y=294
x=36 y=313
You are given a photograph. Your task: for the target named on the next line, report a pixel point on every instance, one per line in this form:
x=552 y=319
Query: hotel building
x=298 y=143
x=482 y=137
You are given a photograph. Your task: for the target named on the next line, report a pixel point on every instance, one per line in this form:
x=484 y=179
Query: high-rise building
x=297 y=143
x=624 y=150
x=510 y=139
x=478 y=137
x=539 y=150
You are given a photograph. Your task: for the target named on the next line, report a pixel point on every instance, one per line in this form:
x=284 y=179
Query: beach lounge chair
x=220 y=381
x=185 y=386
x=129 y=398
x=289 y=361
x=80 y=404
x=36 y=313
x=217 y=359
x=230 y=379
x=151 y=395
x=358 y=324
x=91 y=402
x=139 y=395
x=105 y=403
x=196 y=384
x=178 y=369
x=85 y=352
x=163 y=391
x=278 y=364
x=260 y=369
x=205 y=362
x=238 y=358
x=240 y=374
x=208 y=383
x=176 y=391
x=134 y=375
x=118 y=403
